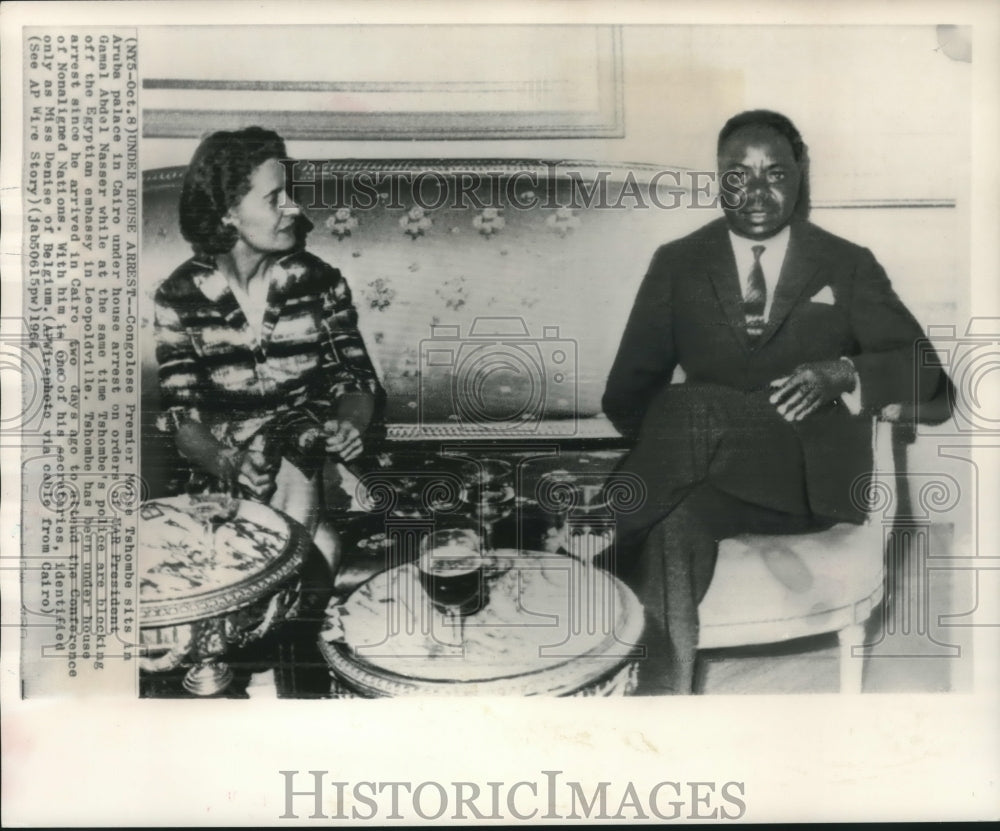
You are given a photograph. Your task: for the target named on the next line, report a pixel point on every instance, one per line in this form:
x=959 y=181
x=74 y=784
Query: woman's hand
x=257 y=476
x=343 y=439
x=251 y=471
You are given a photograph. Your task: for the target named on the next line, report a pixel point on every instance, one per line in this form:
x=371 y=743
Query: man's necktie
x=755 y=298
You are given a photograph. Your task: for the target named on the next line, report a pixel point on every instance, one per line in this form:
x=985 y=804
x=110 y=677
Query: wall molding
x=435 y=109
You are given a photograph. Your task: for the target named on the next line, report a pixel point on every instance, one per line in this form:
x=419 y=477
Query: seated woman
x=263 y=373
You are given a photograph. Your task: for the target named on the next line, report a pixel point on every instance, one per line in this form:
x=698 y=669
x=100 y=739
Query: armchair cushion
x=773 y=588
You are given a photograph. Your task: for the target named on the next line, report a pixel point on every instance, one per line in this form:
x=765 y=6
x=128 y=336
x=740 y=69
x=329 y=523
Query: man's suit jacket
x=689 y=312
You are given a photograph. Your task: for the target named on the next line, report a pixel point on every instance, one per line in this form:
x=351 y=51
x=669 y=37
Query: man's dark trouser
x=715 y=462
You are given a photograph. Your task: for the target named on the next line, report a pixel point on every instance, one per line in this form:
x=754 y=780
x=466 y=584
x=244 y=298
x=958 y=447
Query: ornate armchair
x=776 y=588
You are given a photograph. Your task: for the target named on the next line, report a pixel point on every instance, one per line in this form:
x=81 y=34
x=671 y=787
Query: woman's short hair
x=217 y=178
x=782 y=125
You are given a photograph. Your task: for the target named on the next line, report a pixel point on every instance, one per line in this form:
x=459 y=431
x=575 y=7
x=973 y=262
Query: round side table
x=549 y=624
x=209 y=585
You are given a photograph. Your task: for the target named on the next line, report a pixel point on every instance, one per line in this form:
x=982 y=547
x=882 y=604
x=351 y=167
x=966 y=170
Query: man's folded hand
x=810 y=386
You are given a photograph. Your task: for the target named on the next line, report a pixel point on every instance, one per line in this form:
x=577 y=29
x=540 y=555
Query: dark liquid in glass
x=454 y=588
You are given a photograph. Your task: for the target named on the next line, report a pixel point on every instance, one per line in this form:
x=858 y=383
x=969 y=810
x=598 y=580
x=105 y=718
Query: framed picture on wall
x=462 y=82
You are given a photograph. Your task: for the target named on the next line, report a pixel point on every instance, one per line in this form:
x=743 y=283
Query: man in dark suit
x=790 y=338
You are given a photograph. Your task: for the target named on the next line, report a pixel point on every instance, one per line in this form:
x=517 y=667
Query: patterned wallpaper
x=474 y=309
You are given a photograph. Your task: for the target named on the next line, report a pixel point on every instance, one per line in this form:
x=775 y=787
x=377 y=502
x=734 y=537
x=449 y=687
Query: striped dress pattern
x=213 y=368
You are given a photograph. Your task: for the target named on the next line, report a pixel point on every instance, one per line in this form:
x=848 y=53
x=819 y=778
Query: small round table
x=208 y=584
x=550 y=625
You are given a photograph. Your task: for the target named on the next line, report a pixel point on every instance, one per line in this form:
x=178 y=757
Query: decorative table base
x=208 y=586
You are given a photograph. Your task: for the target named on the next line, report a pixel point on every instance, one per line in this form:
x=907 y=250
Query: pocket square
x=824 y=295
